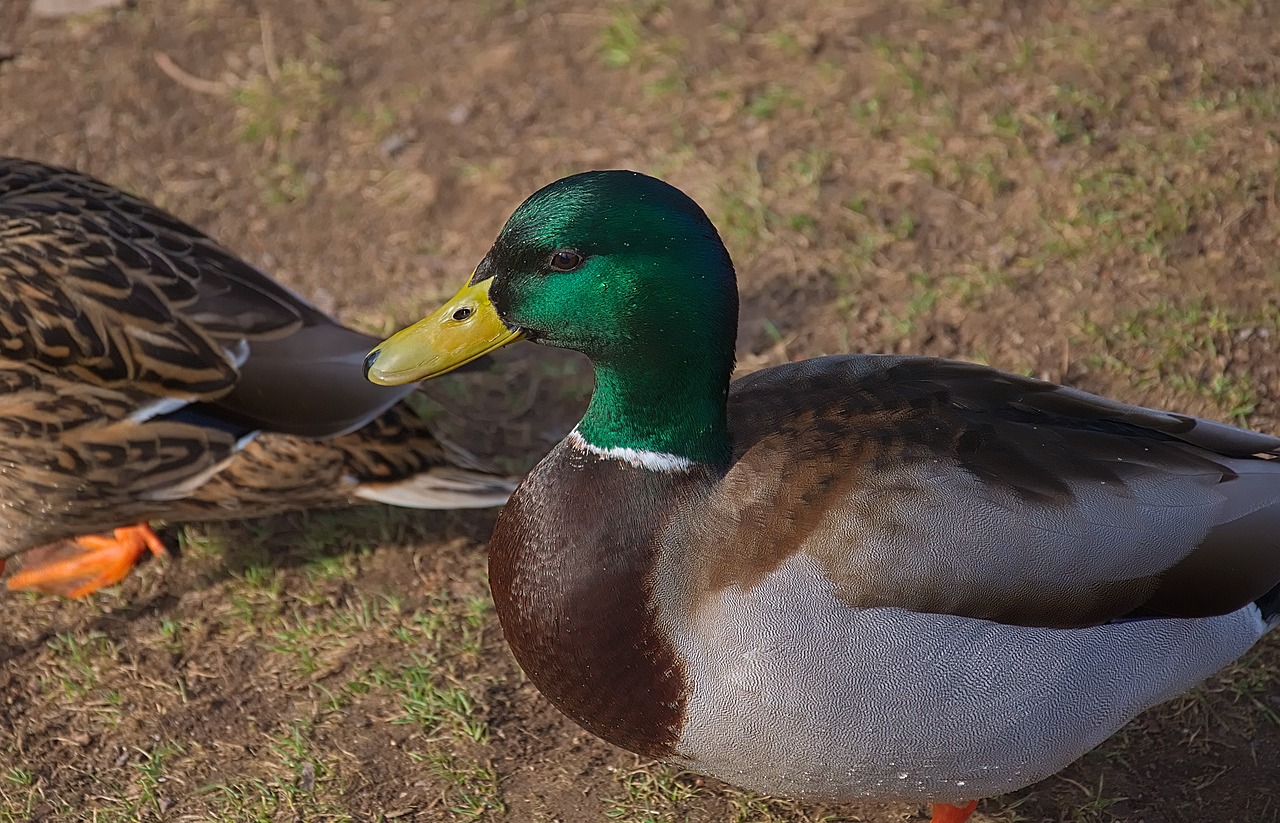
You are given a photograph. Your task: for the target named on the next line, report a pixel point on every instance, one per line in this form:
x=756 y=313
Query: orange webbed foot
x=947 y=813
x=94 y=561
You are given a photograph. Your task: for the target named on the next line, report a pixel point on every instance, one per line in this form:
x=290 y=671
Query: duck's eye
x=564 y=260
x=462 y=313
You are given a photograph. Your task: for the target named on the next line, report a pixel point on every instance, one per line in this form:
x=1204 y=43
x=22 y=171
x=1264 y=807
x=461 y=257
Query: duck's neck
x=668 y=411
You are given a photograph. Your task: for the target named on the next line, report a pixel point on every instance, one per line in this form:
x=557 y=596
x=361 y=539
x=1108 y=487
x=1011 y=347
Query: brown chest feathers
x=572 y=578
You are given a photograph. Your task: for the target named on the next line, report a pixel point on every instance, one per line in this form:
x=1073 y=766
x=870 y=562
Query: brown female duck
x=146 y=372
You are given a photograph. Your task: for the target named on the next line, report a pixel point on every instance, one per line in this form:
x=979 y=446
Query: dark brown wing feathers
x=952 y=487
x=107 y=289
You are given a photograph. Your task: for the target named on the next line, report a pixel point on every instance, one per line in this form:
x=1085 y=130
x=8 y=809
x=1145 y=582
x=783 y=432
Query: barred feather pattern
x=124 y=335
x=277 y=473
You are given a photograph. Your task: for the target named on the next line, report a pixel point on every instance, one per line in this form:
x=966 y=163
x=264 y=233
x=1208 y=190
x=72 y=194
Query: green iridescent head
x=627 y=270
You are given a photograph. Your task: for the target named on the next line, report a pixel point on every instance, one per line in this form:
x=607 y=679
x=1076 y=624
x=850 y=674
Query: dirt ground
x=1085 y=191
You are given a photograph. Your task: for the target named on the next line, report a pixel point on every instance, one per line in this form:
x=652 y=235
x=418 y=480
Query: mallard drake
x=855 y=575
x=146 y=372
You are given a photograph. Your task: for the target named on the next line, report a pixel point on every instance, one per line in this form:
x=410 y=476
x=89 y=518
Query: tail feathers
x=1269 y=605
x=446 y=487
x=456 y=454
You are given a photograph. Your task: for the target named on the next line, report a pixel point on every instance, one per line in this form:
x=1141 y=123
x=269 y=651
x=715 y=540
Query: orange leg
x=101 y=561
x=946 y=813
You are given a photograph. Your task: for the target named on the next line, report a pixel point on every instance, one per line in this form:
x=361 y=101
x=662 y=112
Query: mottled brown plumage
x=147 y=372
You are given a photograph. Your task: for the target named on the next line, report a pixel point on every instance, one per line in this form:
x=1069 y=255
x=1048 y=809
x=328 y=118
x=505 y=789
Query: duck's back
x=102 y=288
x=956 y=488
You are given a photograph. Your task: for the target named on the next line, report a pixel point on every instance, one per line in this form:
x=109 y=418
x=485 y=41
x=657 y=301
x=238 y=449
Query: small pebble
x=307 y=777
x=393 y=145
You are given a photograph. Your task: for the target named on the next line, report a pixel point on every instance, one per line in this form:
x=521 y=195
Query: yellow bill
x=465 y=328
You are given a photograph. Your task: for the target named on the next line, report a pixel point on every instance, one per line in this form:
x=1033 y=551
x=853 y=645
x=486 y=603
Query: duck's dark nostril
x=369 y=359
